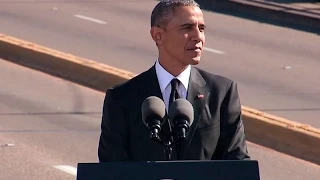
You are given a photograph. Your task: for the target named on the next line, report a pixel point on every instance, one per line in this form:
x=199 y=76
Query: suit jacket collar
x=150 y=84
x=164 y=77
x=195 y=87
x=197 y=95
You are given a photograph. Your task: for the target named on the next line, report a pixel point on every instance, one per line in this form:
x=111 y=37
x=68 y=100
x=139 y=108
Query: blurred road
x=49 y=121
x=48 y=125
x=276 y=68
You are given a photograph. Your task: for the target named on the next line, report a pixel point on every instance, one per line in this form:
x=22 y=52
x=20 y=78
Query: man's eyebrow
x=186 y=24
x=192 y=24
x=203 y=26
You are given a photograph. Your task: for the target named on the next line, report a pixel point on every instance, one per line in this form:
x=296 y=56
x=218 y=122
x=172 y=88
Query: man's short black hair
x=164 y=10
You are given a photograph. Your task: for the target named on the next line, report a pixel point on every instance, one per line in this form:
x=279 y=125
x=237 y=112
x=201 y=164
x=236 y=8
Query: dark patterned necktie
x=174 y=95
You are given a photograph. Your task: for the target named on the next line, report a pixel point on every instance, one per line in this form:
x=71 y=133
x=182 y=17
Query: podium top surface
x=184 y=170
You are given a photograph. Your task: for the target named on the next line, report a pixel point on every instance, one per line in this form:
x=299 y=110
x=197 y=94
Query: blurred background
x=271 y=48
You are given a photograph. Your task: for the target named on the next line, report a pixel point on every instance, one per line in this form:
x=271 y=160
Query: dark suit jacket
x=217 y=132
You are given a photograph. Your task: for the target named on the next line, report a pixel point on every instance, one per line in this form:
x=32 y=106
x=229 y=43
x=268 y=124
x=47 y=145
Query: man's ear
x=157 y=35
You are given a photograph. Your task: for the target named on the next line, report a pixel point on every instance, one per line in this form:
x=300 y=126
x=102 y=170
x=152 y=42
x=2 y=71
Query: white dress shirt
x=164 y=79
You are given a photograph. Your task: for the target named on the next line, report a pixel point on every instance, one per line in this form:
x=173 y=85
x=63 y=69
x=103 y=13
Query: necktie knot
x=175 y=83
x=174 y=95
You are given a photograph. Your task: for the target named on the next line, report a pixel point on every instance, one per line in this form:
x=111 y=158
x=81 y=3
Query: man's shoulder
x=215 y=80
x=130 y=84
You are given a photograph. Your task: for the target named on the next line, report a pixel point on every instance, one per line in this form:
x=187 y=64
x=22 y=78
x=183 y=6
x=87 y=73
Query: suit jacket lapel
x=153 y=89
x=151 y=85
x=197 y=96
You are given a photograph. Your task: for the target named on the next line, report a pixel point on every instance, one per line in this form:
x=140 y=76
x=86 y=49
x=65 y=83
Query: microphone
x=153 y=112
x=181 y=117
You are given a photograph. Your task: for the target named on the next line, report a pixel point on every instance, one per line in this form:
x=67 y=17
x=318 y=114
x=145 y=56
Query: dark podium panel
x=178 y=170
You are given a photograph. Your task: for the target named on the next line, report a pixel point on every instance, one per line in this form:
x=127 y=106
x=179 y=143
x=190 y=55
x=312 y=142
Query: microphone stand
x=166 y=144
x=169 y=142
x=168 y=149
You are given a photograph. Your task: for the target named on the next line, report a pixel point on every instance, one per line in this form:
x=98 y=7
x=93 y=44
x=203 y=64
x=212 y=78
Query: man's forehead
x=188 y=14
x=193 y=10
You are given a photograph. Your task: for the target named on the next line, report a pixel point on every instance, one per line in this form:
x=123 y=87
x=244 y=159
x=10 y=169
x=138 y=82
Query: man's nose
x=197 y=35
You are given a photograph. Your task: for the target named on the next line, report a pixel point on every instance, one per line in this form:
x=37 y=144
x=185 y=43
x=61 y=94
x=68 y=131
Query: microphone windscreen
x=181 y=109
x=152 y=108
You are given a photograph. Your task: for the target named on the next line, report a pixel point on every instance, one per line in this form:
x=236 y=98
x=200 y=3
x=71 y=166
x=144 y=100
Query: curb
x=286 y=136
x=274 y=132
x=82 y=71
x=274 y=13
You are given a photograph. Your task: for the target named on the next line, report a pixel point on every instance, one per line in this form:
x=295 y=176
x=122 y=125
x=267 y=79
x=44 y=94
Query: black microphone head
x=153 y=108
x=181 y=109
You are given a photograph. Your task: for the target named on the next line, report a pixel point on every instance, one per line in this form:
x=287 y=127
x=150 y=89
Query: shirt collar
x=164 y=77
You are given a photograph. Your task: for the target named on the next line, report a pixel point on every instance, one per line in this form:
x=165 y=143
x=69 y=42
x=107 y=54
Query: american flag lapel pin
x=200 y=96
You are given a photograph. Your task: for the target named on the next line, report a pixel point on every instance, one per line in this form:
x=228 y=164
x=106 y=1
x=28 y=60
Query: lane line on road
x=68 y=169
x=89 y=19
x=213 y=50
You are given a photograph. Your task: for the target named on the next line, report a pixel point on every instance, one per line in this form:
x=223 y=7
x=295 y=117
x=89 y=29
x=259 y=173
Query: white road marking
x=68 y=169
x=89 y=19
x=213 y=50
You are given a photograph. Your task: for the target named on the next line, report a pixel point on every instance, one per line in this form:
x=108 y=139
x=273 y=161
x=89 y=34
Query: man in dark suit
x=217 y=133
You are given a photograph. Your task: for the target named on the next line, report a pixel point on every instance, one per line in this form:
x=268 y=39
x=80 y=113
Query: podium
x=170 y=170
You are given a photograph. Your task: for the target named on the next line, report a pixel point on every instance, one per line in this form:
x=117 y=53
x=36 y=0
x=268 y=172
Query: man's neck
x=173 y=68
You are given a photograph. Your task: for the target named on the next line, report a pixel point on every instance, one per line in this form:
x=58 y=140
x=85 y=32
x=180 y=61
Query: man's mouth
x=195 y=49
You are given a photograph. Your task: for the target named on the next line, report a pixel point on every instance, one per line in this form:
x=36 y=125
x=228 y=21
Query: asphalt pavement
x=276 y=68
x=48 y=125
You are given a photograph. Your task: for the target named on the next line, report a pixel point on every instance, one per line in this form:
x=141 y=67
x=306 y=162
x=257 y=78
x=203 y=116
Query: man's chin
x=195 y=61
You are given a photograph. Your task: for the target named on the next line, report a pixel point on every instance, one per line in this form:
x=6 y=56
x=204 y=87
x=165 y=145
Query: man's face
x=183 y=38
